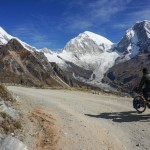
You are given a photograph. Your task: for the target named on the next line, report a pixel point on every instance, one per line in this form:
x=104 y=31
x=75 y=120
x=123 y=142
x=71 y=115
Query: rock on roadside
x=11 y=143
x=8 y=110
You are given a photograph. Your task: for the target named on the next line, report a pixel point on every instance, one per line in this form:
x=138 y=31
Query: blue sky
x=52 y=23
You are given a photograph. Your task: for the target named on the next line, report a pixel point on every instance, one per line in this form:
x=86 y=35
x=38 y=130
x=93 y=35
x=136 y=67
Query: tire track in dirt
x=47 y=133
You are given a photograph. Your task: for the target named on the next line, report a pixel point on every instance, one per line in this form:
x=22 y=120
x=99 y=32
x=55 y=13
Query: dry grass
x=8 y=125
x=3 y=114
x=4 y=94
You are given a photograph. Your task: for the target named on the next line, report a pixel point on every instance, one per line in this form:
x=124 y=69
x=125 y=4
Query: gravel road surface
x=89 y=121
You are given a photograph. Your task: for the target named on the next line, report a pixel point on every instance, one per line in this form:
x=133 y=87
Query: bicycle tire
x=142 y=105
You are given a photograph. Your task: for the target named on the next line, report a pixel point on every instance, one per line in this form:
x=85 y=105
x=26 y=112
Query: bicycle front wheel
x=141 y=105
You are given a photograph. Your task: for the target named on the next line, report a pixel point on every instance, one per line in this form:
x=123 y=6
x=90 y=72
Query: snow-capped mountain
x=5 y=38
x=135 y=49
x=87 y=43
x=89 y=51
x=136 y=40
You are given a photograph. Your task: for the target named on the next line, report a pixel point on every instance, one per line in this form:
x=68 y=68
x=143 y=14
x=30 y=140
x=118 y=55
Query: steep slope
x=18 y=65
x=135 y=46
x=136 y=39
x=5 y=38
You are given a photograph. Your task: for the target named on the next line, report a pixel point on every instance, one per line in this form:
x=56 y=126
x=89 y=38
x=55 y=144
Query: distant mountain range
x=87 y=60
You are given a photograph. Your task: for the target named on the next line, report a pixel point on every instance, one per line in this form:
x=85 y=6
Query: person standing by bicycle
x=145 y=82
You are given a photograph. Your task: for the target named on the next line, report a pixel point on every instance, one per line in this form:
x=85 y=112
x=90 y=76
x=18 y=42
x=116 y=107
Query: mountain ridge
x=95 y=55
x=21 y=66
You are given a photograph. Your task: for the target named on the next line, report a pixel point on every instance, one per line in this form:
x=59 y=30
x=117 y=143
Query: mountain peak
x=88 y=42
x=45 y=50
x=4 y=36
x=136 y=39
x=98 y=39
x=142 y=22
x=3 y=32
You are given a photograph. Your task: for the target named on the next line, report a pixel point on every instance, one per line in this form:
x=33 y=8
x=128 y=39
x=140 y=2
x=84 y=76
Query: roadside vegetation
x=9 y=120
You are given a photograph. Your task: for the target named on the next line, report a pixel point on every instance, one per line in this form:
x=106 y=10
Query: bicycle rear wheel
x=141 y=105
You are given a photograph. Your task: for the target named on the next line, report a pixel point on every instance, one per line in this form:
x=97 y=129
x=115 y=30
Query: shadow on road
x=128 y=116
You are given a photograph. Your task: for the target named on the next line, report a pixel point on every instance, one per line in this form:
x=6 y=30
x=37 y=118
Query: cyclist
x=145 y=82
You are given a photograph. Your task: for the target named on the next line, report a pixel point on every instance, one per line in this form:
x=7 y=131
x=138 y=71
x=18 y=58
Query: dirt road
x=88 y=121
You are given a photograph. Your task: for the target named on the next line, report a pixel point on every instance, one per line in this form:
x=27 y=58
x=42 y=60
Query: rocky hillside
x=125 y=76
x=18 y=65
